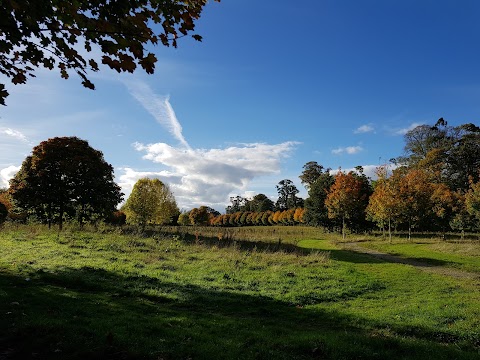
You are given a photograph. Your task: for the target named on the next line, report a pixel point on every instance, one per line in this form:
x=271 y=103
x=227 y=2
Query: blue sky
x=274 y=84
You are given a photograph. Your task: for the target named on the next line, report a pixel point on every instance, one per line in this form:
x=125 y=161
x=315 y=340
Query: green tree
x=449 y=154
x=57 y=33
x=472 y=200
x=464 y=158
x=311 y=172
x=3 y=212
x=151 y=203
x=259 y=203
x=238 y=204
x=316 y=212
x=287 y=195
x=65 y=177
x=183 y=219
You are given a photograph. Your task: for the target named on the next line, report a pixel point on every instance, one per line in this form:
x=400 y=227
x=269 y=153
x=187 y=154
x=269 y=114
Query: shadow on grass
x=343 y=255
x=95 y=314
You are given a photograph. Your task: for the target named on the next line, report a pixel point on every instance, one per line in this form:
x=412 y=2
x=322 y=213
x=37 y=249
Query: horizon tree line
x=433 y=186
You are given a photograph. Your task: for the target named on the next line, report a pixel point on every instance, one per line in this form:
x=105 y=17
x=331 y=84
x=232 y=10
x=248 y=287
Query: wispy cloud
x=159 y=107
x=364 y=129
x=15 y=134
x=350 y=150
x=403 y=131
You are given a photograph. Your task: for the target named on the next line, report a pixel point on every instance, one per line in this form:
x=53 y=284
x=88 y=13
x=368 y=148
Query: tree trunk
x=343 y=227
x=390 y=230
x=409 y=230
x=60 y=223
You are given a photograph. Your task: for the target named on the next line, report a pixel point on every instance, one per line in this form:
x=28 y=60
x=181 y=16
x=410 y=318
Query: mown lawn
x=81 y=294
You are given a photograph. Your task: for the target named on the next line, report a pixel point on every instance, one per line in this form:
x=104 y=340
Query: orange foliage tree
x=345 y=198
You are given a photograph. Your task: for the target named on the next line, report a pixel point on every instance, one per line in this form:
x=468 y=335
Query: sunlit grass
x=81 y=294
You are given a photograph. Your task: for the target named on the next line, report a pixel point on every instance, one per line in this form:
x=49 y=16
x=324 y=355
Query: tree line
x=433 y=186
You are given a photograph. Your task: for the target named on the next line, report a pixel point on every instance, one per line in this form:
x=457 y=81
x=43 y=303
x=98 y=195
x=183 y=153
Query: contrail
x=159 y=107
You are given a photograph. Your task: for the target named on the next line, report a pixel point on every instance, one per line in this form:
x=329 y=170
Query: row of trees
x=205 y=216
x=66 y=179
x=433 y=186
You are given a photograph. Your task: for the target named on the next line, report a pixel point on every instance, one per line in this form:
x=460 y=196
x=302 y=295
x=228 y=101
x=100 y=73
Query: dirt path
x=441 y=270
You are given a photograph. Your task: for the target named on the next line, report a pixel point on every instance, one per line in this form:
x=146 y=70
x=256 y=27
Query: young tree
x=151 y=202
x=57 y=33
x=384 y=207
x=416 y=190
x=472 y=200
x=64 y=176
x=345 y=198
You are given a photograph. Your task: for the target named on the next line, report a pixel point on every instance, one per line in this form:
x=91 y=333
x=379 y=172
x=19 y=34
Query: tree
x=311 y=172
x=53 y=33
x=287 y=196
x=259 y=203
x=238 y=204
x=416 y=190
x=151 y=203
x=65 y=177
x=383 y=206
x=316 y=213
x=345 y=198
x=464 y=158
x=449 y=154
x=183 y=219
x=472 y=200
x=425 y=138
x=5 y=199
x=3 y=212
x=202 y=215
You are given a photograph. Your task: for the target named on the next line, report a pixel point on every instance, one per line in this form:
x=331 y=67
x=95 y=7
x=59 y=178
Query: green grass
x=461 y=255
x=83 y=294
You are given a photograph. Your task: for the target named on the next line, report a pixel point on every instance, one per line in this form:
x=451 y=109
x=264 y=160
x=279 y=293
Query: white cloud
x=159 y=107
x=407 y=129
x=350 y=150
x=207 y=177
x=6 y=174
x=368 y=170
x=199 y=176
x=364 y=129
x=15 y=134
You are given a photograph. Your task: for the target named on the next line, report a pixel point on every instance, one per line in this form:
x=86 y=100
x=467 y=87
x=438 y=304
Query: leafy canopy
x=61 y=33
x=65 y=177
x=151 y=202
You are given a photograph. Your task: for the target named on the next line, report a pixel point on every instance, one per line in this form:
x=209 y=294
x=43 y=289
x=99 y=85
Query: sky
x=274 y=84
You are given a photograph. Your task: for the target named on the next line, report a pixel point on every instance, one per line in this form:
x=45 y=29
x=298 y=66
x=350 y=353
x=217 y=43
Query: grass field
x=292 y=293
